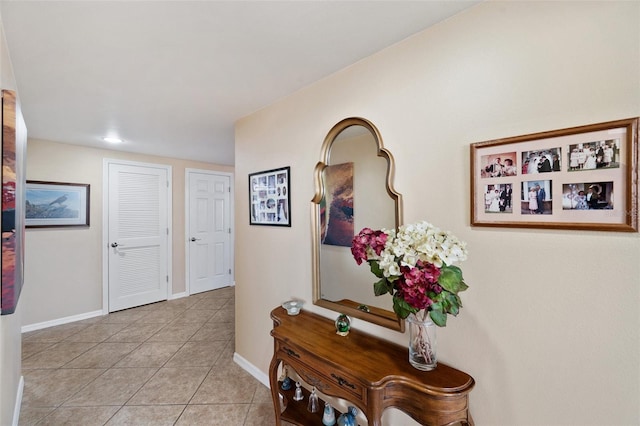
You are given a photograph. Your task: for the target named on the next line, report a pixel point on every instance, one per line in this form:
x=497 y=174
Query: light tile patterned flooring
x=168 y=363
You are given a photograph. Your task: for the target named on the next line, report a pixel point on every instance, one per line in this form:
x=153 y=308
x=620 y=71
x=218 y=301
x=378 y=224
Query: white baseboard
x=251 y=369
x=16 y=408
x=60 y=321
x=87 y=315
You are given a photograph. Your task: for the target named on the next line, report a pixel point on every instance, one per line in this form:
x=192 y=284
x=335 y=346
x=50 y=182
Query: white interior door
x=138 y=234
x=209 y=232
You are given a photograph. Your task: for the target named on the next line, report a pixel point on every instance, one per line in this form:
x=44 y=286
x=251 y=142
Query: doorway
x=209 y=230
x=136 y=234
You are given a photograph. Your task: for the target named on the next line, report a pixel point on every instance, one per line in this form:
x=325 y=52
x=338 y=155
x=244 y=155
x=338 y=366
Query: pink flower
x=431 y=284
x=367 y=238
x=415 y=284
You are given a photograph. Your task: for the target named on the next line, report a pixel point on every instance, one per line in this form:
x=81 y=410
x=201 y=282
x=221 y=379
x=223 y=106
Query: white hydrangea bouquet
x=416 y=266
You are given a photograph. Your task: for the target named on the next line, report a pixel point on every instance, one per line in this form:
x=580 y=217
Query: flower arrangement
x=415 y=266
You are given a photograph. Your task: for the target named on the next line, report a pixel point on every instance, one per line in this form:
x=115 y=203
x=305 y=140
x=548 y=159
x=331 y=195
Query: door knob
x=195 y=239
x=114 y=245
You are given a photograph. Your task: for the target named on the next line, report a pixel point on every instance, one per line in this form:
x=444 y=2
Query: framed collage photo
x=270 y=197
x=582 y=178
x=56 y=204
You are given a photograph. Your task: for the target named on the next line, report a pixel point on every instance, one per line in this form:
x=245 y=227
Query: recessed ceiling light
x=112 y=140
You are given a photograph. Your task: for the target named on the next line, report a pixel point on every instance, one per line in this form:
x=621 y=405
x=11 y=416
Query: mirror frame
x=379 y=316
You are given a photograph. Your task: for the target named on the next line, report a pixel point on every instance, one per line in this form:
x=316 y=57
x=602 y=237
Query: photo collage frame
x=270 y=197
x=577 y=178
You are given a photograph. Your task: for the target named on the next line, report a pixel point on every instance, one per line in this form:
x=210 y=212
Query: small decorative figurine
x=298 y=395
x=286 y=383
x=313 y=402
x=293 y=307
x=329 y=416
x=348 y=418
x=285 y=379
x=343 y=324
x=364 y=308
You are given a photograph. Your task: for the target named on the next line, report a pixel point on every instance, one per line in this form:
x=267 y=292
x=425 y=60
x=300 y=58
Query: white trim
x=178 y=295
x=251 y=369
x=60 y=321
x=187 y=196
x=170 y=230
x=16 y=408
x=187 y=223
x=105 y=222
x=105 y=235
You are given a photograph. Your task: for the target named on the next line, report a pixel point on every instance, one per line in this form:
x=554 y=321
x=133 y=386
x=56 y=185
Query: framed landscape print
x=269 y=197
x=576 y=178
x=56 y=204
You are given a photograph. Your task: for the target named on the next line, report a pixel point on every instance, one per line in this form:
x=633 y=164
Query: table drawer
x=334 y=383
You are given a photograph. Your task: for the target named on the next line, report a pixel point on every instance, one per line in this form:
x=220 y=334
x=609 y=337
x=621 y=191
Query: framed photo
x=578 y=178
x=56 y=204
x=270 y=197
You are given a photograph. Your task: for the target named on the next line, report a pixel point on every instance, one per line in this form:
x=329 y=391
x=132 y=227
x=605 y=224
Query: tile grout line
x=162 y=366
x=208 y=372
x=178 y=317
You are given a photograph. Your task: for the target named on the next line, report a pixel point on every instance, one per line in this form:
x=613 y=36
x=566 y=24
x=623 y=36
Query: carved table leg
x=470 y=421
x=374 y=409
x=273 y=384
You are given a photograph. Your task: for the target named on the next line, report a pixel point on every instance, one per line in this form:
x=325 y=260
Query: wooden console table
x=368 y=372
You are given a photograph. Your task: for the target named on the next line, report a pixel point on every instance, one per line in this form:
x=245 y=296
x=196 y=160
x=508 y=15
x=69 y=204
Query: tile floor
x=168 y=363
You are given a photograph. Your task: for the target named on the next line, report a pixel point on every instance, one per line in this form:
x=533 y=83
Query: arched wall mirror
x=354 y=190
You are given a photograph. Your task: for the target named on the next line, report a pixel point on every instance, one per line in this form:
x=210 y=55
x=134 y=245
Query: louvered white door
x=137 y=235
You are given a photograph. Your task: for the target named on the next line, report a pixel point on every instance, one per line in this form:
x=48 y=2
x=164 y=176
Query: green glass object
x=343 y=324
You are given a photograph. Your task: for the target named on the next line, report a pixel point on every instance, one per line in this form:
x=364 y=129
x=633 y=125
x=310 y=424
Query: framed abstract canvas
x=14 y=142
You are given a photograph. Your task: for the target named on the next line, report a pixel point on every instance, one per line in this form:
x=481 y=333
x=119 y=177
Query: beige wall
x=10 y=343
x=549 y=327
x=65 y=264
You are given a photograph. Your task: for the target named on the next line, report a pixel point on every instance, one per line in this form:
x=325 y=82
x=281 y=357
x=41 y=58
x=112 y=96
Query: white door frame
x=105 y=225
x=187 y=228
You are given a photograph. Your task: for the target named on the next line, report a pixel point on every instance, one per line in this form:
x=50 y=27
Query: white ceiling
x=172 y=77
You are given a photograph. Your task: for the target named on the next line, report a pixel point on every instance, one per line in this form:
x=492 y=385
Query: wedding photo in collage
x=536 y=196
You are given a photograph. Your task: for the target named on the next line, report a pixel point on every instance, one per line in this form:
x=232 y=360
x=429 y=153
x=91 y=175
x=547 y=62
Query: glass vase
x=422 y=341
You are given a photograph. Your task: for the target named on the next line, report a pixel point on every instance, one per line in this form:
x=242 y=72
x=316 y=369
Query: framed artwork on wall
x=577 y=178
x=14 y=142
x=337 y=204
x=270 y=197
x=56 y=204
